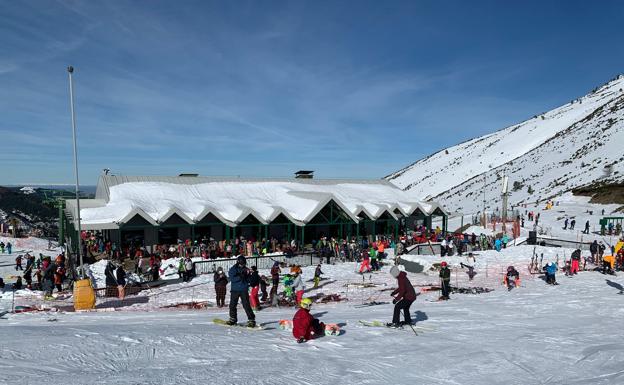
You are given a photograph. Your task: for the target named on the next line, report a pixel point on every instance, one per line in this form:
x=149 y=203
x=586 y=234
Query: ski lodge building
x=162 y=209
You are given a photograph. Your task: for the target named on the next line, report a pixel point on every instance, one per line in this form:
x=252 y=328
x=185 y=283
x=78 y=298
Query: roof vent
x=304 y=174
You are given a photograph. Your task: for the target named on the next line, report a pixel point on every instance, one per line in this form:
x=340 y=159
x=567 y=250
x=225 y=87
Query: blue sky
x=259 y=88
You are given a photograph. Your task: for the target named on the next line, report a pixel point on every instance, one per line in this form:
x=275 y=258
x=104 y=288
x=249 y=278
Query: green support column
x=302 y=235
x=266 y=232
x=193 y=233
x=227 y=233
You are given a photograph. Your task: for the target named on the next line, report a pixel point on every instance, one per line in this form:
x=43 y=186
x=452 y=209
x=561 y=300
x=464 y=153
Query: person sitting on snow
x=550 y=269
x=512 y=278
x=305 y=326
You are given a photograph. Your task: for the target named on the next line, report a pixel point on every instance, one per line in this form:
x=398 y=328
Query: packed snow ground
x=566 y=334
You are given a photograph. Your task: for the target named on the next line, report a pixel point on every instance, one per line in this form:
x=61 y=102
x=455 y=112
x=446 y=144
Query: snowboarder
x=305 y=326
x=220 y=282
x=445 y=280
x=317 y=276
x=404 y=296
x=275 y=273
x=254 y=283
x=551 y=269
x=512 y=278
x=239 y=289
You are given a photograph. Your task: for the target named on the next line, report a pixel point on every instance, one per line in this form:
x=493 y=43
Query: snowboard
x=330 y=329
x=218 y=321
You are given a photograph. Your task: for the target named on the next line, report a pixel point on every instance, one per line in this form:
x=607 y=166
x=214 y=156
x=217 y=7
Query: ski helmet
x=394 y=271
x=305 y=303
x=241 y=260
x=443 y=264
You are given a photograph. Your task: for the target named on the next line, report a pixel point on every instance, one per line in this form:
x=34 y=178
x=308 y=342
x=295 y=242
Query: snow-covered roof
x=231 y=200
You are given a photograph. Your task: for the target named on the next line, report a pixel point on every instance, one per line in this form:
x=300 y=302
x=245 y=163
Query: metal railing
x=309 y=258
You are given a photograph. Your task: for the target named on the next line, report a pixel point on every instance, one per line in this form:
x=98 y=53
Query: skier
x=298 y=286
x=498 y=244
x=48 y=277
x=572 y=223
x=550 y=269
x=373 y=259
x=18 y=263
x=239 y=289
x=317 y=275
x=220 y=282
x=404 y=296
x=263 y=288
x=365 y=267
x=565 y=224
x=9 y=247
x=512 y=278
x=305 y=326
x=275 y=272
x=586 y=231
x=254 y=283
x=445 y=280
x=470 y=262
x=593 y=249
x=574 y=265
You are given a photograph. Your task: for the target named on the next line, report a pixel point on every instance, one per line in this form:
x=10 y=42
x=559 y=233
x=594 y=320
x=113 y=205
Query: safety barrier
x=262 y=262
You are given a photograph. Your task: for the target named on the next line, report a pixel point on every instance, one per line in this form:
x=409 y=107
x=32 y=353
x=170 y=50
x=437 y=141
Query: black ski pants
x=404 y=305
x=446 y=288
x=244 y=297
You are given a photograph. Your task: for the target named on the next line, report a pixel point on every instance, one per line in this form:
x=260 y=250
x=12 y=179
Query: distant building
x=155 y=210
x=27 y=190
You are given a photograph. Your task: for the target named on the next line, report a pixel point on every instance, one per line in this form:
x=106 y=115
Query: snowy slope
x=564 y=334
x=553 y=152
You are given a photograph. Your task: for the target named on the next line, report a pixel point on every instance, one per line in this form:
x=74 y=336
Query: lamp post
x=70 y=71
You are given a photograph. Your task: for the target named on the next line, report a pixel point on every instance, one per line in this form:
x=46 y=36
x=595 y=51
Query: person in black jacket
x=111 y=280
x=275 y=278
x=121 y=281
x=220 y=282
x=239 y=289
x=445 y=280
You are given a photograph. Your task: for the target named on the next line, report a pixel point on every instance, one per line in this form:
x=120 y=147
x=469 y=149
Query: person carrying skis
x=305 y=326
x=254 y=283
x=512 y=278
x=404 y=296
x=220 y=282
x=317 y=275
x=239 y=289
x=445 y=280
x=275 y=278
x=298 y=286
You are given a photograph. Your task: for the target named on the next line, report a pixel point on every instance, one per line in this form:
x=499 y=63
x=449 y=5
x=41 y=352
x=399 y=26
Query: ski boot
x=393 y=325
x=251 y=324
x=231 y=322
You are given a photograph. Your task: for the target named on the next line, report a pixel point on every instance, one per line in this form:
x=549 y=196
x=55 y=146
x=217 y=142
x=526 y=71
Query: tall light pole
x=70 y=71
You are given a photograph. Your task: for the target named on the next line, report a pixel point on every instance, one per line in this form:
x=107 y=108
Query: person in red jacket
x=305 y=327
x=403 y=298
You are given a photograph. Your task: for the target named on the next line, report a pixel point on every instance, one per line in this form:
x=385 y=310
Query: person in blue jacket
x=498 y=244
x=239 y=276
x=551 y=269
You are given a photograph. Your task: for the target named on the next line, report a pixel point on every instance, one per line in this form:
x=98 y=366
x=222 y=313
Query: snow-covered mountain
x=574 y=145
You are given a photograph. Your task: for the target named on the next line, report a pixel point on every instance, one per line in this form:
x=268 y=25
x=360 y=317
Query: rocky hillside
x=578 y=144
